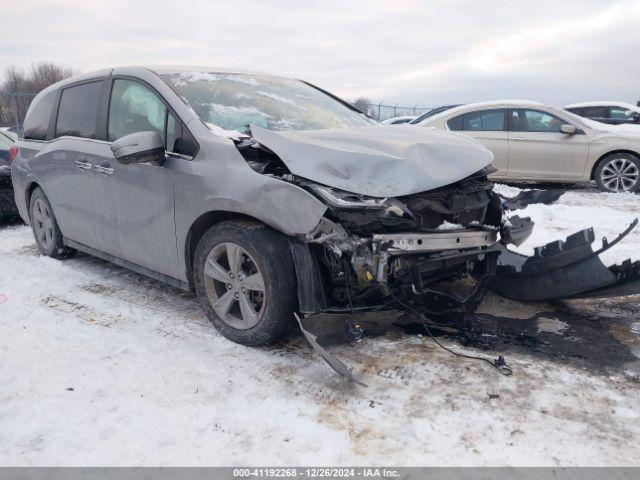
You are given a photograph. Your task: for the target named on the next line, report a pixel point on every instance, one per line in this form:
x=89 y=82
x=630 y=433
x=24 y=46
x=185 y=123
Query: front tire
x=45 y=227
x=245 y=281
x=619 y=172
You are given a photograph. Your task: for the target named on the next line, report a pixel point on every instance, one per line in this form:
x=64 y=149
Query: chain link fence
x=382 y=111
x=13 y=108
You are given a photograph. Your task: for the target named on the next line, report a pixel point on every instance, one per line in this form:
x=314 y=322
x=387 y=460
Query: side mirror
x=568 y=129
x=139 y=147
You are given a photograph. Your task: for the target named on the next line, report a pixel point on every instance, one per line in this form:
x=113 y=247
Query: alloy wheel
x=619 y=175
x=43 y=224
x=234 y=285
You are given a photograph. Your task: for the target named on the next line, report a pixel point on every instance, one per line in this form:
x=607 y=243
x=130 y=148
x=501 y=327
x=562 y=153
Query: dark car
x=614 y=113
x=432 y=112
x=8 y=207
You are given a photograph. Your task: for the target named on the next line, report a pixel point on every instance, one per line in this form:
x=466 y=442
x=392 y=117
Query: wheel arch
x=311 y=290
x=605 y=155
x=199 y=227
x=28 y=193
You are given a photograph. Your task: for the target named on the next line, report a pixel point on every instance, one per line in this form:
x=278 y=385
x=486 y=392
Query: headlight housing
x=341 y=199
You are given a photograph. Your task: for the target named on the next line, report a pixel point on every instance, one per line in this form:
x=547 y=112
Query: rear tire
x=245 y=281
x=618 y=172
x=45 y=227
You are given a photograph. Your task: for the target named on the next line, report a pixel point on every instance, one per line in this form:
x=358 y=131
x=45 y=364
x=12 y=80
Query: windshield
x=236 y=101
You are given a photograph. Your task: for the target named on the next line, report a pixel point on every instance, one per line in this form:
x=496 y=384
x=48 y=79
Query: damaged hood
x=377 y=160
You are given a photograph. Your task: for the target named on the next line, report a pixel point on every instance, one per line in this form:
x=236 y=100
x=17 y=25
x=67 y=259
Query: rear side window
x=455 y=123
x=36 y=124
x=78 y=112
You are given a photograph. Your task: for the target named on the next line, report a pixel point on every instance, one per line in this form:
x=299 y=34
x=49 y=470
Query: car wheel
x=245 y=281
x=619 y=172
x=45 y=227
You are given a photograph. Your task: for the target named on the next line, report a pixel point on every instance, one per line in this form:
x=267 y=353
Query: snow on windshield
x=233 y=102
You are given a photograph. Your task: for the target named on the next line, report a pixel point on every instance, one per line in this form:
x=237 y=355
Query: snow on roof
x=168 y=69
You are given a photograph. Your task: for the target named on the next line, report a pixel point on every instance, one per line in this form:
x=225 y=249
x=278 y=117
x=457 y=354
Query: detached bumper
x=565 y=269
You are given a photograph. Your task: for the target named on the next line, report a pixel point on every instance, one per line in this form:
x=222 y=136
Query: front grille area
x=462 y=203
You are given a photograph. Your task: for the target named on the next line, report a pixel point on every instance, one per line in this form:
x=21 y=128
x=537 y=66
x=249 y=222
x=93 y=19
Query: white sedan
x=532 y=141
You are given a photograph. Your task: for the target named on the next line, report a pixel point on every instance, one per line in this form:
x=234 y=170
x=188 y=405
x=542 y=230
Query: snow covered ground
x=100 y=366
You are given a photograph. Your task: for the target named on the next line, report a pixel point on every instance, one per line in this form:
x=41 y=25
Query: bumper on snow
x=566 y=269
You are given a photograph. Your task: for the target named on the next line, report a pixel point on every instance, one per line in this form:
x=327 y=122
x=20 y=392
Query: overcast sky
x=407 y=51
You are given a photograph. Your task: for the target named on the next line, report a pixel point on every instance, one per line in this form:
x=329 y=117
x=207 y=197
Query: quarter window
x=135 y=108
x=78 y=112
x=484 y=121
x=36 y=124
x=534 y=121
x=174 y=132
x=455 y=123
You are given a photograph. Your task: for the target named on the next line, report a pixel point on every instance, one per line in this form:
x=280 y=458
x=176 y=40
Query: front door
x=538 y=150
x=138 y=201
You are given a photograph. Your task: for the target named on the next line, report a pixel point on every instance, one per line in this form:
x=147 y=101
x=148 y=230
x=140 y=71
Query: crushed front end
x=371 y=255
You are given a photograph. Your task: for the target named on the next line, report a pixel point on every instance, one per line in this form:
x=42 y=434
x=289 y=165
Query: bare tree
x=17 y=88
x=363 y=104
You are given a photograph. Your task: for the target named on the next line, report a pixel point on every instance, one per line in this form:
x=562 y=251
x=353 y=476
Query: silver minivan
x=268 y=196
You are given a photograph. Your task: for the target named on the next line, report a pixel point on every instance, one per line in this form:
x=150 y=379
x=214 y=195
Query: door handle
x=519 y=139
x=105 y=170
x=83 y=165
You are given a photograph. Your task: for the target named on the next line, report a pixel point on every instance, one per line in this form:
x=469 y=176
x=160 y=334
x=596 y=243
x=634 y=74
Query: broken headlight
x=349 y=201
x=341 y=199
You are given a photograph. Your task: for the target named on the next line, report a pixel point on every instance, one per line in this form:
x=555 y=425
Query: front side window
x=236 y=101
x=534 y=121
x=484 y=121
x=36 y=124
x=134 y=108
x=78 y=112
x=619 y=113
